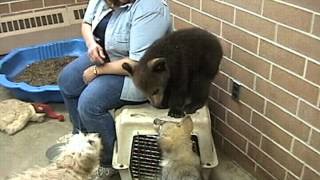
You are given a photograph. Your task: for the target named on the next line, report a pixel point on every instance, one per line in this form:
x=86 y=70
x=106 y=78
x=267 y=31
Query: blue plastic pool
x=18 y=59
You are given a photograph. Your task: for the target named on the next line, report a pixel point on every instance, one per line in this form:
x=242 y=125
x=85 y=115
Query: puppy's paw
x=12 y=131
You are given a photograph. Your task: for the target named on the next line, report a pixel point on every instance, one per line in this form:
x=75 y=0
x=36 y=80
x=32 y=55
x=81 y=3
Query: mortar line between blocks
x=262 y=7
x=251 y=117
x=276 y=65
x=298 y=107
x=296 y=139
x=312 y=23
x=247 y=146
x=305 y=68
x=279 y=1
x=285 y=175
x=276 y=27
x=260 y=142
x=265 y=107
x=319 y=99
x=258 y=47
x=309 y=136
x=255 y=83
x=269 y=81
x=269 y=120
x=258 y=165
x=302 y=172
x=263 y=152
x=275 y=104
x=291 y=145
x=266 y=39
x=234 y=16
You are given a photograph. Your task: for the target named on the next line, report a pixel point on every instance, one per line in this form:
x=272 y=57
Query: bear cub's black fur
x=177 y=69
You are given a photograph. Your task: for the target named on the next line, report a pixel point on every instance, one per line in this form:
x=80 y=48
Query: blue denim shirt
x=132 y=28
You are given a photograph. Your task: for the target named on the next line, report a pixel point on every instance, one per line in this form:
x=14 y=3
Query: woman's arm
x=114 y=67
x=95 y=51
x=86 y=31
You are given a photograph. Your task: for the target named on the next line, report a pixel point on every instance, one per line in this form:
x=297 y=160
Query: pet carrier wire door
x=136 y=153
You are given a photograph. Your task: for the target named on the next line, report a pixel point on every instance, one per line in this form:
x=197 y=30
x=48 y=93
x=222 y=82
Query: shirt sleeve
x=90 y=11
x=146 y=27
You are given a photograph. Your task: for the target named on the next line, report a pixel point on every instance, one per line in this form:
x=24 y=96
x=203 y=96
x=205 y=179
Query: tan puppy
x=79 y=158
x=179 y=161
x=15 y=114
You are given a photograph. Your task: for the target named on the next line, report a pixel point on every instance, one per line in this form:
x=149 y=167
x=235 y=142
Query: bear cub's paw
x=176 y=113
x=192 y=108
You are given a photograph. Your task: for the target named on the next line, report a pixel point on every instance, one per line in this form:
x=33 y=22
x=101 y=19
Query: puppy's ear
x=129 y=68
x=157 y=65
x=187 y=124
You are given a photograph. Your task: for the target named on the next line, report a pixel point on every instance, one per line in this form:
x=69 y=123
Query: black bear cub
x=177 y=69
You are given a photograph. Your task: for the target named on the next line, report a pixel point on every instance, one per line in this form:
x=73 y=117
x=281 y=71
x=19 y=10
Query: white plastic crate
x=136 y=153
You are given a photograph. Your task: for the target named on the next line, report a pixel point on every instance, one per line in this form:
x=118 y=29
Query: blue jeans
x=88 y=105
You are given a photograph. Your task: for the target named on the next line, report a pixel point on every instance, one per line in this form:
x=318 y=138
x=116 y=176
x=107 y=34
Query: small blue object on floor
x=18 y=59
x=54 y=151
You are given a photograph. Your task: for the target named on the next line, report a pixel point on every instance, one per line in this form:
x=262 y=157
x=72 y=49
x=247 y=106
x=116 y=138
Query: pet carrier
x=136 y=152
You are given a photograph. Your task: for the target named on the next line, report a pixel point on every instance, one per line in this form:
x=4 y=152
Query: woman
x=115 y=31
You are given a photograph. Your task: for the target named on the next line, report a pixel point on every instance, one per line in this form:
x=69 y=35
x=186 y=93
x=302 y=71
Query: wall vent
x=79 y=13
x=32 y=22
x=76 y=13
x=41 y=20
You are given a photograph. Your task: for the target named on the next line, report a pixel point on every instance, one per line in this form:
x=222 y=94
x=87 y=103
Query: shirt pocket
x=121 y=42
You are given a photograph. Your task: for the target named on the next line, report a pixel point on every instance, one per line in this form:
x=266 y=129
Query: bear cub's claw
x=176 y=113
x=192 y=108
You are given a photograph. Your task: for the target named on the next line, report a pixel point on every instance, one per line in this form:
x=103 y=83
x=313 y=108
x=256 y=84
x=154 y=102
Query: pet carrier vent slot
x=146 y=156
x=32 y=22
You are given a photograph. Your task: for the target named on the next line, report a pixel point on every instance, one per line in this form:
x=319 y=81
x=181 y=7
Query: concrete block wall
x=272 y=48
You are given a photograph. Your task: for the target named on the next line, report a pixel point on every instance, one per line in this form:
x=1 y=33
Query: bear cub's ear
x=129 y=68
x=157 y=65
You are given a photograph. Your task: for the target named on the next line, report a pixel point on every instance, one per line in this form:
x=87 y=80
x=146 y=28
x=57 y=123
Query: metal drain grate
x=146 y=156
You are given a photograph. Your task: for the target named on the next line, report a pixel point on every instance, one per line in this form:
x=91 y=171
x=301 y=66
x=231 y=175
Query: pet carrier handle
x=158 y=122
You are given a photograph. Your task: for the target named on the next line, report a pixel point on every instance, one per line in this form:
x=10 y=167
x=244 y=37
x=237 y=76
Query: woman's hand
x=89 y=74
x=96 y=53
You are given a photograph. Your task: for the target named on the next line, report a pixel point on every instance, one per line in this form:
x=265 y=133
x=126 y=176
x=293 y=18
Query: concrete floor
x=27 y=148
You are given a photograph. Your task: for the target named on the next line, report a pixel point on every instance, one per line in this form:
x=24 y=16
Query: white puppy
x=79 y=158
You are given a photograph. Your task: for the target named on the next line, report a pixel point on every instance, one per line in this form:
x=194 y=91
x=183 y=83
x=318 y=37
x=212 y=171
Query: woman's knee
x=65 y=80
x=64 y=76
x=70 y=79
x=89 y=108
